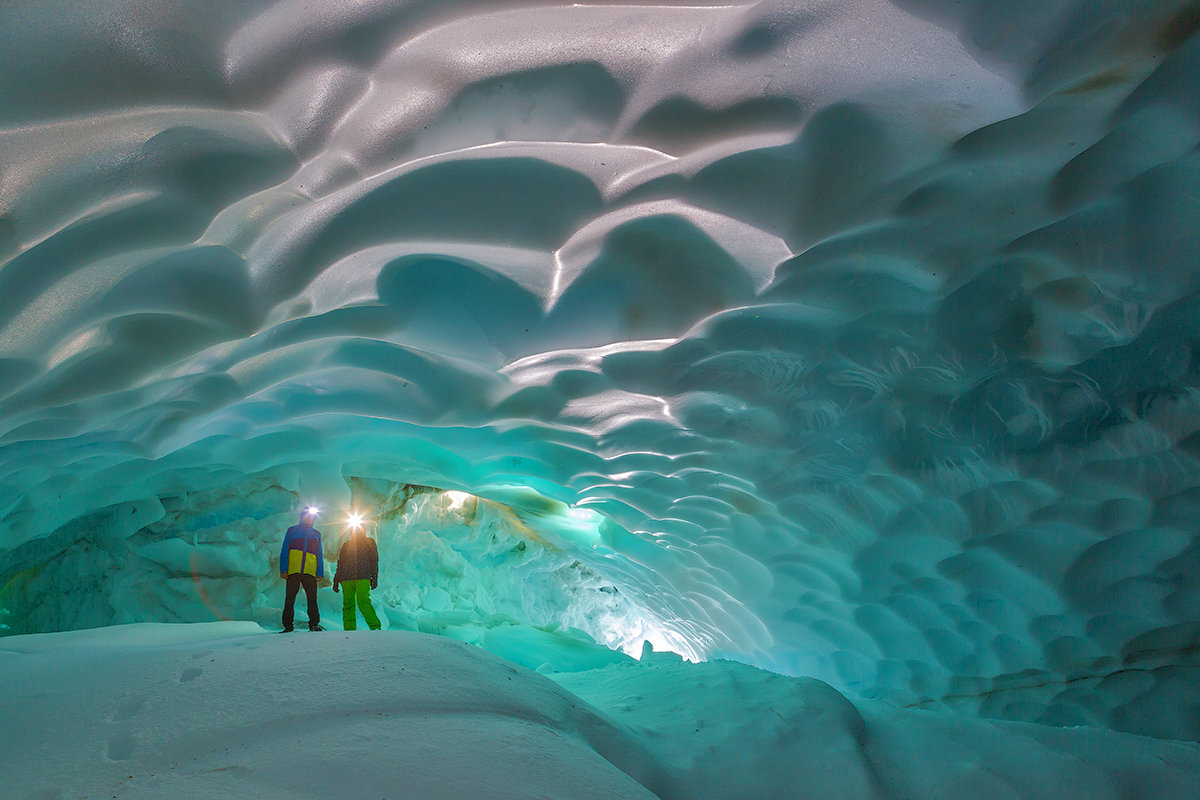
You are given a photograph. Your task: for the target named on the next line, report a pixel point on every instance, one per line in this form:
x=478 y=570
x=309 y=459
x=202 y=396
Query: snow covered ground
x=226 y=710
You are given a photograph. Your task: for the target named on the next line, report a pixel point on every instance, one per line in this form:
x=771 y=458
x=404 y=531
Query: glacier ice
x=854 y=340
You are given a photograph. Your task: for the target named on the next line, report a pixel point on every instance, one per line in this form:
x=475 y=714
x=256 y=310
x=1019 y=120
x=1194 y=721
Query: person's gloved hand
x=374 y=582
x=283 y=575
x=335 y=586
x=323 y=582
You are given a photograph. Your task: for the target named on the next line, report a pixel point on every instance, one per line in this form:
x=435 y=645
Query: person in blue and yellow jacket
x=301 y=564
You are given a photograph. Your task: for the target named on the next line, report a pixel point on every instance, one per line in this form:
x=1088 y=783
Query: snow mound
x=224 y=710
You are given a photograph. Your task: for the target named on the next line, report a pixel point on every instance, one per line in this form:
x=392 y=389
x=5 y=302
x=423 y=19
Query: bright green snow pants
x=358 y=592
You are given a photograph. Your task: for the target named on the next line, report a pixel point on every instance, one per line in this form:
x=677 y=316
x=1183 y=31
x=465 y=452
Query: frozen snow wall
x=852 y=339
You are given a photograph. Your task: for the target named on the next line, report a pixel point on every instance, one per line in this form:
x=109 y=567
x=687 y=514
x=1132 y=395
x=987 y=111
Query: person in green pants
x=358 y=572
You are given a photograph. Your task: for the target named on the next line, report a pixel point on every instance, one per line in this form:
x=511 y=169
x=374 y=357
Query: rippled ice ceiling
x=853 y=339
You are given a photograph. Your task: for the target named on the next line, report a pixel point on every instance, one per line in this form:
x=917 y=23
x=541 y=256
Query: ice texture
x=854 y=340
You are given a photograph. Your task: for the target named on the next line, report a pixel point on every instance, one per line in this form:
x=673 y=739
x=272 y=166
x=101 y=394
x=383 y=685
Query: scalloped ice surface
x=867 y=330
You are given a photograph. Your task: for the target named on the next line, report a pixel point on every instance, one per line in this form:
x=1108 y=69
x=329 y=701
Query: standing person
x=358 y=571
x=301 y=564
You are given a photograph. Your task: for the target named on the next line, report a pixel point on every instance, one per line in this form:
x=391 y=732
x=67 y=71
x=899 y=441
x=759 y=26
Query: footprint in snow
x=121 y=745
x=128 y=708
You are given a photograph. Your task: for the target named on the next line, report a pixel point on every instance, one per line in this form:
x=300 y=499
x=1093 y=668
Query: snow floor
x=227 y=710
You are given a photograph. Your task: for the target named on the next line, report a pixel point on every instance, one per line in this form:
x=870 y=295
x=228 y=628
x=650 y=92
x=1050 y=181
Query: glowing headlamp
x=355 y=520
x=314 y=510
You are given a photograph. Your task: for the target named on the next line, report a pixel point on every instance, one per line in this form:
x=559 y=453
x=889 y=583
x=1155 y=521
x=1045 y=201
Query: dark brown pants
x=294 y=582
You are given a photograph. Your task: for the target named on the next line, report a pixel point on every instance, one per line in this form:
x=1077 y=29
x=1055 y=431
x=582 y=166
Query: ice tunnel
x=847 y=342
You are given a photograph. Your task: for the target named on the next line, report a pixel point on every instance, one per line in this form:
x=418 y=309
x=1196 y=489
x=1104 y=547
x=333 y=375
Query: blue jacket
x=301 y=552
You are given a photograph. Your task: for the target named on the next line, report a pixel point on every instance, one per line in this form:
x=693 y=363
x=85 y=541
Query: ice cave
x=747 y=399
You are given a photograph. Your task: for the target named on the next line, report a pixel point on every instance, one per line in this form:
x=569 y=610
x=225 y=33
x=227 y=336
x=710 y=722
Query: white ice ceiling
x=870 y=327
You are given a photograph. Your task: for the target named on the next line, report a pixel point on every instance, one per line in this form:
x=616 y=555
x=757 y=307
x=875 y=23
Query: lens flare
x=314 y=510
x=355 y=520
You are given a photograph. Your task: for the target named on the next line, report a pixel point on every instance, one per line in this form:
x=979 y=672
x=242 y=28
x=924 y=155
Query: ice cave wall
x=867 y=328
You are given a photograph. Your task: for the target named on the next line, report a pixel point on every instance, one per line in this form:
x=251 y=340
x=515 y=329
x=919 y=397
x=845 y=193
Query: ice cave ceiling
x=856 y=339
